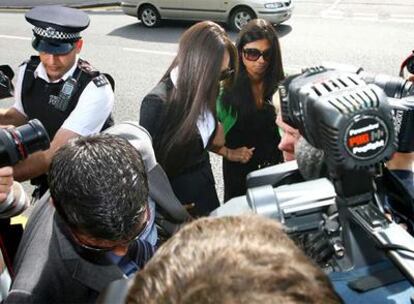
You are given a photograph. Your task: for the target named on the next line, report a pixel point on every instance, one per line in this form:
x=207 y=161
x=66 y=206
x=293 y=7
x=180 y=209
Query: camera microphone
x=310 y=160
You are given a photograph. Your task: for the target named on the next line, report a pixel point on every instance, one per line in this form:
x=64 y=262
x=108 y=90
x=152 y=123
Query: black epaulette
x=24 y=62
x=100 y=81
x=87 y=68
x=35 y=60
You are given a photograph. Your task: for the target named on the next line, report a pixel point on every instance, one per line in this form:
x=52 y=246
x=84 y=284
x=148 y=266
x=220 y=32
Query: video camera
x=17 y=143
x=348 y=115
x=339 y=113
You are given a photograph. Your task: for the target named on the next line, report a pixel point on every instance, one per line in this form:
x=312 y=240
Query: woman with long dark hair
x=180 y=113
x=246 y=110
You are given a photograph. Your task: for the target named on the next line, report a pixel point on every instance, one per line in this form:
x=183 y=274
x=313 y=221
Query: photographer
x=288 y=139
x=64 y=92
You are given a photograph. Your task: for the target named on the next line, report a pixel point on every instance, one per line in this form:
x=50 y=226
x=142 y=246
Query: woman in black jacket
x=180 y=115
x=247 y=112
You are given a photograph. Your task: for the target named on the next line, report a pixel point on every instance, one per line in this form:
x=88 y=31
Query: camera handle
x=391 y=237
x=368 y=234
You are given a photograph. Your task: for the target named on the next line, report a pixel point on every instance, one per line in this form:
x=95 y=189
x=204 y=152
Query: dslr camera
x=17 y=144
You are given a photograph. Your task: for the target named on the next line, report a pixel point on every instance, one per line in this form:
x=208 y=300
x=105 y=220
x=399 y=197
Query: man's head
x=99 y=187
x=57 y=36
x=289 y=138
x=245 y=259
x=57 y=65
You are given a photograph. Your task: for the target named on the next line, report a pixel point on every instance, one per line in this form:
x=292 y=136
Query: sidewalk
x=24 y=4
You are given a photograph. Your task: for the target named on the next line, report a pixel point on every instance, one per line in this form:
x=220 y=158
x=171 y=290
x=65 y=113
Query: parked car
x=235 y=13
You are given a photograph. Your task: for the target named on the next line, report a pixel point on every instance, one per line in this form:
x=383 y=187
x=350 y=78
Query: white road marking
x=340 y=15
x=400 y=20
x=149 y=51
x=333 y=6
x=15 y=37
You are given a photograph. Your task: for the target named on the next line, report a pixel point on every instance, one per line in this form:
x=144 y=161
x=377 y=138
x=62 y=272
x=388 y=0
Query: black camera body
x=6 y=86
x=341 y=114
x=17 y=143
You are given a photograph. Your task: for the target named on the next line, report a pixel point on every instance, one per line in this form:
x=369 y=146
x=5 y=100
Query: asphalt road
x=377 y=36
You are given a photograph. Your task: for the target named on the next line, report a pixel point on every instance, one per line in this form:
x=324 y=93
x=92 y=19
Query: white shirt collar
x=174 y=75
x=41 y=73
x=206 y=125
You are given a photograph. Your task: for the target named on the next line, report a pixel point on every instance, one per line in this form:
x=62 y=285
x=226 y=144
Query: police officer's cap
x=56 y=27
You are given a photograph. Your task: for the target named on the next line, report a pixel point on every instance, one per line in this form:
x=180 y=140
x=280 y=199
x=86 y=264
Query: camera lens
x=34 y=136
x=17 y=143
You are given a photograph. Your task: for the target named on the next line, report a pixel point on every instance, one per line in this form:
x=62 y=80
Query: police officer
x=63 y=91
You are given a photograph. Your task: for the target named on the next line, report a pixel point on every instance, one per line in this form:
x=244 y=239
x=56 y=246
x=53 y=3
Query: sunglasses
x=97 y=249
x=254 y=54
x=226 y=74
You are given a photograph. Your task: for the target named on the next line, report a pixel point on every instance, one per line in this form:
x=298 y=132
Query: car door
x=204 y=9
x=169 y=9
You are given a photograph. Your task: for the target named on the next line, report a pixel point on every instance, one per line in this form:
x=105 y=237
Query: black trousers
x=197 y=187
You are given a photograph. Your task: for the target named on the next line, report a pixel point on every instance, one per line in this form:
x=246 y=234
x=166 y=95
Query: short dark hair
x=243 y=259
x=99 y=186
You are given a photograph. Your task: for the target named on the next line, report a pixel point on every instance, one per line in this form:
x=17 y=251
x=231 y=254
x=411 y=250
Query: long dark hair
x=199 y=59
x=241 y=97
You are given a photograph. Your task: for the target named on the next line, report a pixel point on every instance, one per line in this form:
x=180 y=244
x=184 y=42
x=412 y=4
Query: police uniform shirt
x=93 y=108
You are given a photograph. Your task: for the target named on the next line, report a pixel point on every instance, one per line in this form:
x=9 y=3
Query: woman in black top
x=180 y=114
x=247 y=112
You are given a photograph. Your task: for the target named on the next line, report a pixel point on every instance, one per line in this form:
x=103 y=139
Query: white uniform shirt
x=93 y=107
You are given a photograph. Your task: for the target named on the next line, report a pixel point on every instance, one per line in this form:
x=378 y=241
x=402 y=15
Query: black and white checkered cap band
x=51 y=33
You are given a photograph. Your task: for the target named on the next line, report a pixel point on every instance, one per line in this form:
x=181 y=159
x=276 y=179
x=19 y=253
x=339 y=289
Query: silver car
x=235 y=13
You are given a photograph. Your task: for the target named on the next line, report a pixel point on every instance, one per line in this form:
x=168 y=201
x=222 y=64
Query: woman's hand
x=242 y=154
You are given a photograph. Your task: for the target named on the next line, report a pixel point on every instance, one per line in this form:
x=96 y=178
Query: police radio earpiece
x=408 y=63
